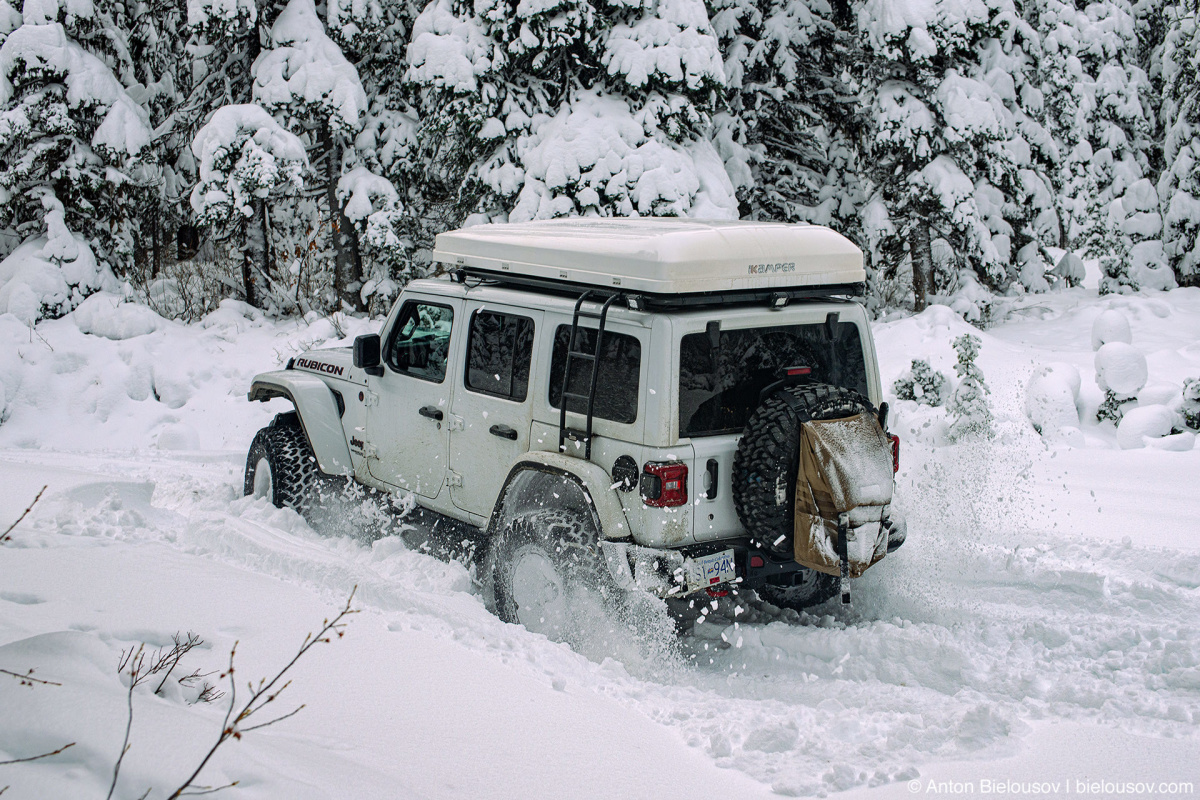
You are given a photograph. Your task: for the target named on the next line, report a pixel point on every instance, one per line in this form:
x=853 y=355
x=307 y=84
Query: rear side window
x=419 y=344
x=719 y=386
x=620 y=371
x=499 y=350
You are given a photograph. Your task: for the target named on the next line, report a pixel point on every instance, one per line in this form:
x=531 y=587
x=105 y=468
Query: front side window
x=620 y=373
x=420 y=342
x=719 y=386
x=499 y=351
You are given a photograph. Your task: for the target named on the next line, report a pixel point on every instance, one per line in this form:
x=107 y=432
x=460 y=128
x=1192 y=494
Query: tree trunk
x=347 y=261
x=254 y=253
x=921 y=254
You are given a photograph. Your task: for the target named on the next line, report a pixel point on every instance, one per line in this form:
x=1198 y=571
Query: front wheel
x=281 y=467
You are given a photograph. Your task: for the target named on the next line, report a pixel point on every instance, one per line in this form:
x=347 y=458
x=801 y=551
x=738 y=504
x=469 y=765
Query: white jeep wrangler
x=614 y=402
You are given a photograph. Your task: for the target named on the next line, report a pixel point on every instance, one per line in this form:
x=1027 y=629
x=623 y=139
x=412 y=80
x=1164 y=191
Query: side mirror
x=366 y=354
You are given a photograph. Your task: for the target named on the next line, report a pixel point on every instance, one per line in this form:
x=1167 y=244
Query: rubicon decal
x=319 y=366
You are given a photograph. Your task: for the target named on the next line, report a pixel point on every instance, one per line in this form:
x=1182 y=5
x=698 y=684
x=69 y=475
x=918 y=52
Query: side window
x=499 y=350
x=419 y=344
x=617 y=384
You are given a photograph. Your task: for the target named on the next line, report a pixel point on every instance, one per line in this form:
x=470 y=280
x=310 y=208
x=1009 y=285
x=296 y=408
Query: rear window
x=620 y=372
x=719 y=387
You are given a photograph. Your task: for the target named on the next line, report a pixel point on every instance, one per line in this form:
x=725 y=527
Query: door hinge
x=454 y=422
x=369 y=451
x=453 y=478
x=370 y=399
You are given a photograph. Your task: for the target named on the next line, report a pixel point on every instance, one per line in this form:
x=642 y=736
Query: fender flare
x=592 y=480
x=317 y=408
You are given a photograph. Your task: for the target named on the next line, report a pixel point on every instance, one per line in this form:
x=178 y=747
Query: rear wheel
x=539 y=565
x=281 y=467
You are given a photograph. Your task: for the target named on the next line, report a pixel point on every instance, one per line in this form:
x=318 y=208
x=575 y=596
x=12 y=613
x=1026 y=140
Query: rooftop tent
x=659 y=256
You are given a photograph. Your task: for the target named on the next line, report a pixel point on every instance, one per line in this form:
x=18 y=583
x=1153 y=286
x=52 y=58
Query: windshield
x=719 y=387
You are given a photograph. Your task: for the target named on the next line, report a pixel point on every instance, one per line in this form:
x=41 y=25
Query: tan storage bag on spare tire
x=845 y=477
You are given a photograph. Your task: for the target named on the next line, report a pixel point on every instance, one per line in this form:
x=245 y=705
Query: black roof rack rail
x=776 y=297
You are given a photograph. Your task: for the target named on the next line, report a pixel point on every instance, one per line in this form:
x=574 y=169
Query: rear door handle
x=432 y=412
x=503 y=431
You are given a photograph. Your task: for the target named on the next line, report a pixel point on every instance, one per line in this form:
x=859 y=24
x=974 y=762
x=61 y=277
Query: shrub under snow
x=921 y=384
x=1144 y=422
x=1121 y=369
x=1110 y=326
x=1050 y=398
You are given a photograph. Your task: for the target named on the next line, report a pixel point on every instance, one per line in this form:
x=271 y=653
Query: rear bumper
x=662 y=572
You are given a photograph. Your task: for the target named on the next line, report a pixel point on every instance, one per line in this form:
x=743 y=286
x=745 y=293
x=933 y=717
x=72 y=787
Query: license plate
x=710 y=570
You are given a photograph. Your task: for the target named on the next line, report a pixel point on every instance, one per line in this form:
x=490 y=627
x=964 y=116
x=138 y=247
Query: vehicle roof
x=657 y=255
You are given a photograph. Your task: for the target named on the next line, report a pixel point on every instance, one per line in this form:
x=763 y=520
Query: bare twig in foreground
x=265 y=693
x=27 y=678
x=7 y=535
x=35 y=758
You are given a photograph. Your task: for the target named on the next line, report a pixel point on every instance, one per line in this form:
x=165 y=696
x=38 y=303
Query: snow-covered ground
x=1041 y=623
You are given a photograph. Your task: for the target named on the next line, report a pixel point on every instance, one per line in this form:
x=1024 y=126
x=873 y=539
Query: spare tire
x=768 y=456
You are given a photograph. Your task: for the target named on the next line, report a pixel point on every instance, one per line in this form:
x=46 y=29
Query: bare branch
x=209 y=789
x=7 y=535
x=134 y=661
x=262 y=695
x=27 y=679
x=35 y=758
x=277 y=719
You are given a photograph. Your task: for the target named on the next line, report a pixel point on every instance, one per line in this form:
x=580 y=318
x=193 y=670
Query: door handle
x=503 y=431
x=432 y=412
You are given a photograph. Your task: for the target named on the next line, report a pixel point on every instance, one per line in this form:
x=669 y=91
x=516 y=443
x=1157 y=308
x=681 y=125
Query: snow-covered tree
x=71 y=137
x=1179 y=184
x=1100 y=110
x=957 y=160
x=305 y=79
x=970 y=416
x=559 y=108
x=789 y=139
x=245 y=159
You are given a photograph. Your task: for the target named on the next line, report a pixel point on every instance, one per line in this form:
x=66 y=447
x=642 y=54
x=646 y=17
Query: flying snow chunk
x=1121 y=368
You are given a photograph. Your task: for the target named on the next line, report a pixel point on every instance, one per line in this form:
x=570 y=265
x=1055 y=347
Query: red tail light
x=895 y=453
x=664 y=484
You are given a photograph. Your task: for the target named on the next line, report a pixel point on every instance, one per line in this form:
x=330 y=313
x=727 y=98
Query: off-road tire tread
x=568 y=536
x=769 y=449
x=297 y=481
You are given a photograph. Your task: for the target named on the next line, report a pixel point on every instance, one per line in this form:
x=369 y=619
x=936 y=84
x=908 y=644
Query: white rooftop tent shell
x=659 y=256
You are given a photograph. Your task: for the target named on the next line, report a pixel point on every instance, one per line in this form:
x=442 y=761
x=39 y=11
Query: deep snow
x=1040 y=623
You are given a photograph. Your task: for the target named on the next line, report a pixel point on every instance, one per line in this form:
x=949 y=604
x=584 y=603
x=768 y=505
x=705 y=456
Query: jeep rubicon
x=613 y=402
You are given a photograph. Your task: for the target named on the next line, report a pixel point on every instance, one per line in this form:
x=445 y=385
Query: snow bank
x=50 y=275
x=109 y=315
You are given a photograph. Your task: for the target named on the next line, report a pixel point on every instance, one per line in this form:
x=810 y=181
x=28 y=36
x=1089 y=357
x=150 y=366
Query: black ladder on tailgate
x=576 y=354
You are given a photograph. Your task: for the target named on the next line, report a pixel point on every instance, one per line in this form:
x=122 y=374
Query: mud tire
x=811 y=589
x=767 y=458
x=294 y=481
x=560 y=545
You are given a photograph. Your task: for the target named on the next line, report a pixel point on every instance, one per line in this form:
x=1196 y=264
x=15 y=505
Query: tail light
x=664 y=484
x=895 y=453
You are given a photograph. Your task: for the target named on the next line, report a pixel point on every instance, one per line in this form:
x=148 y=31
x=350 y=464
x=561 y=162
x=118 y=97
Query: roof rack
x=648 y=301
